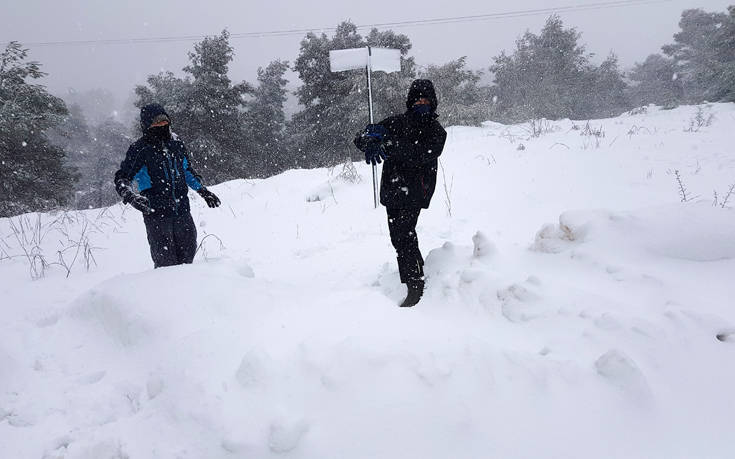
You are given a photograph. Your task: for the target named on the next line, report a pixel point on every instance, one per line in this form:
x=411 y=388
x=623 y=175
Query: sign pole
x=368 y=71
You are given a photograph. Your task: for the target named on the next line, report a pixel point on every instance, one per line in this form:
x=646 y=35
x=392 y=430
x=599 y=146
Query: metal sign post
x=369 y=71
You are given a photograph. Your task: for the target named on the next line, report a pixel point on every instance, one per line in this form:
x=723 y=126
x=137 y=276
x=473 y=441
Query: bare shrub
x=349 y=173
x=590 y=131
x=592 y=136
x=683 y=191
x=202 y=247
x=703 y=118
x=726 y=199
x=635 y=130
x=29 y=232
x=80 y=246
x=638 y=111
x=538 y=127
x=490 y=160
x=447 y=189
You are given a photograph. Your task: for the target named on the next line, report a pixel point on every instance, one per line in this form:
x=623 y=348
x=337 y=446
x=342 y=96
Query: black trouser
x=402 y=227
x=173 y=240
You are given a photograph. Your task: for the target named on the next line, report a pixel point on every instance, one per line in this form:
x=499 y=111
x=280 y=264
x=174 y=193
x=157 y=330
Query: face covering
x=421 y=109
x=160 y=132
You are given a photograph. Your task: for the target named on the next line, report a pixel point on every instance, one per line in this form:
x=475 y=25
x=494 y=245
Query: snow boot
x=415 y=292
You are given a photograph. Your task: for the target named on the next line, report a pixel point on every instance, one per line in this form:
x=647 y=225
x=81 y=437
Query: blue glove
x=374 y=153
x=376 y=132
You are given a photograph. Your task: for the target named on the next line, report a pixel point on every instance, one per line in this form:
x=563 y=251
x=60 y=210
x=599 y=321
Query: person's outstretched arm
x=129 y=168
x=194 y=181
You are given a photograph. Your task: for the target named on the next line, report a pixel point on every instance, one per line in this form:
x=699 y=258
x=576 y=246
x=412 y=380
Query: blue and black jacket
x=162 y=171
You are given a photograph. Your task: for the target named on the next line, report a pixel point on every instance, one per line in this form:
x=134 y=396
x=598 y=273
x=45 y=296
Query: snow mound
x=692 y=232
x=610 y=334
x=128 y=308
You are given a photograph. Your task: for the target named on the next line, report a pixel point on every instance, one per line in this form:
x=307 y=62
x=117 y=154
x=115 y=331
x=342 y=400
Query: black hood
x=148 y=113
x=419 y=89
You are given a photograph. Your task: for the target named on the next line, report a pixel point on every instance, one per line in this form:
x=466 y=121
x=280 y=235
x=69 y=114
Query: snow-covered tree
x=335 y=104
x=110 y=141
x=656 y=81
x=606 y=91
x=34 y=176
x=704 y=53
x=550 y=75
x=266 y=120
x=95 y=152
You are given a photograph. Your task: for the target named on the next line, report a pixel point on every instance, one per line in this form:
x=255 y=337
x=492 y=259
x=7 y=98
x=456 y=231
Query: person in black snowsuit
x=158 y=162
x=410 y=144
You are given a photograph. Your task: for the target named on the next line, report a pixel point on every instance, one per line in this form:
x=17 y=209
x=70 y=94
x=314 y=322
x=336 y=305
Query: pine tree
x=33 y=173
x=550 y=76
x=607 y=93
x=266 y=120
x=704 y=53
x=539 y=79
x=110 y=140
x=657 y=82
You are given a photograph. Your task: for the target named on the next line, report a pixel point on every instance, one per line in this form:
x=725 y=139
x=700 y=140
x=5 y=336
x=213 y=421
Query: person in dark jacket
x=410 y=144
x=159 y=164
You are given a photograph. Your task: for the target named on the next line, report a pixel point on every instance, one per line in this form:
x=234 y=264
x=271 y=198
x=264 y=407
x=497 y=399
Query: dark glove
x=210 y=198
x=142 y=203
x=136 y=200
x=374 y=153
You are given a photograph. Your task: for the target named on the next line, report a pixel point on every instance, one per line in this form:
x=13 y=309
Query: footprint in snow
x=607 y=322
x=235 y=446
x=48 y=321
x=154 y=387
x=727 y=336
x=482 y=247
x=622 y=372
x=519 y=302
x=285 y=437
x=92 y=378
x=253 y=369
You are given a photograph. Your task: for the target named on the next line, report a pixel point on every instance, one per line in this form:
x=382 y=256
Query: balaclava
x=152 y=114
x=422 y=89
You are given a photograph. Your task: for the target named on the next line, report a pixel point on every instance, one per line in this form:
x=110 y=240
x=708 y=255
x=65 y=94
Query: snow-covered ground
x=575 y=308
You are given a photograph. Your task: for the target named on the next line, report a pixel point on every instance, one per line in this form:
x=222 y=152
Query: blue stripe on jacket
x=143 y=179
x=191 y=179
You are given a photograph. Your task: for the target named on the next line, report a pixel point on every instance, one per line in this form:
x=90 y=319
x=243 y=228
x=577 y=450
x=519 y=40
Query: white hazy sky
x=632 y=32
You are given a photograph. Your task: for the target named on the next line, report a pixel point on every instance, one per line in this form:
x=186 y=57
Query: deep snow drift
x=575 y=308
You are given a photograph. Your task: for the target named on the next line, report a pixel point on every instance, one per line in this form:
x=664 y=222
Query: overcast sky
x=632 y=32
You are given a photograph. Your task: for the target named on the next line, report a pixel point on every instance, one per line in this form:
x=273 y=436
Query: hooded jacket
x=413 y=144
x=160 y=167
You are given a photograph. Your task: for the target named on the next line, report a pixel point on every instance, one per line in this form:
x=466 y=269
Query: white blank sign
x=381 y=59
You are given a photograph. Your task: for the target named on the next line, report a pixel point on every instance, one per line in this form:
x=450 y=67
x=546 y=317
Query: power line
x=397 y=24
